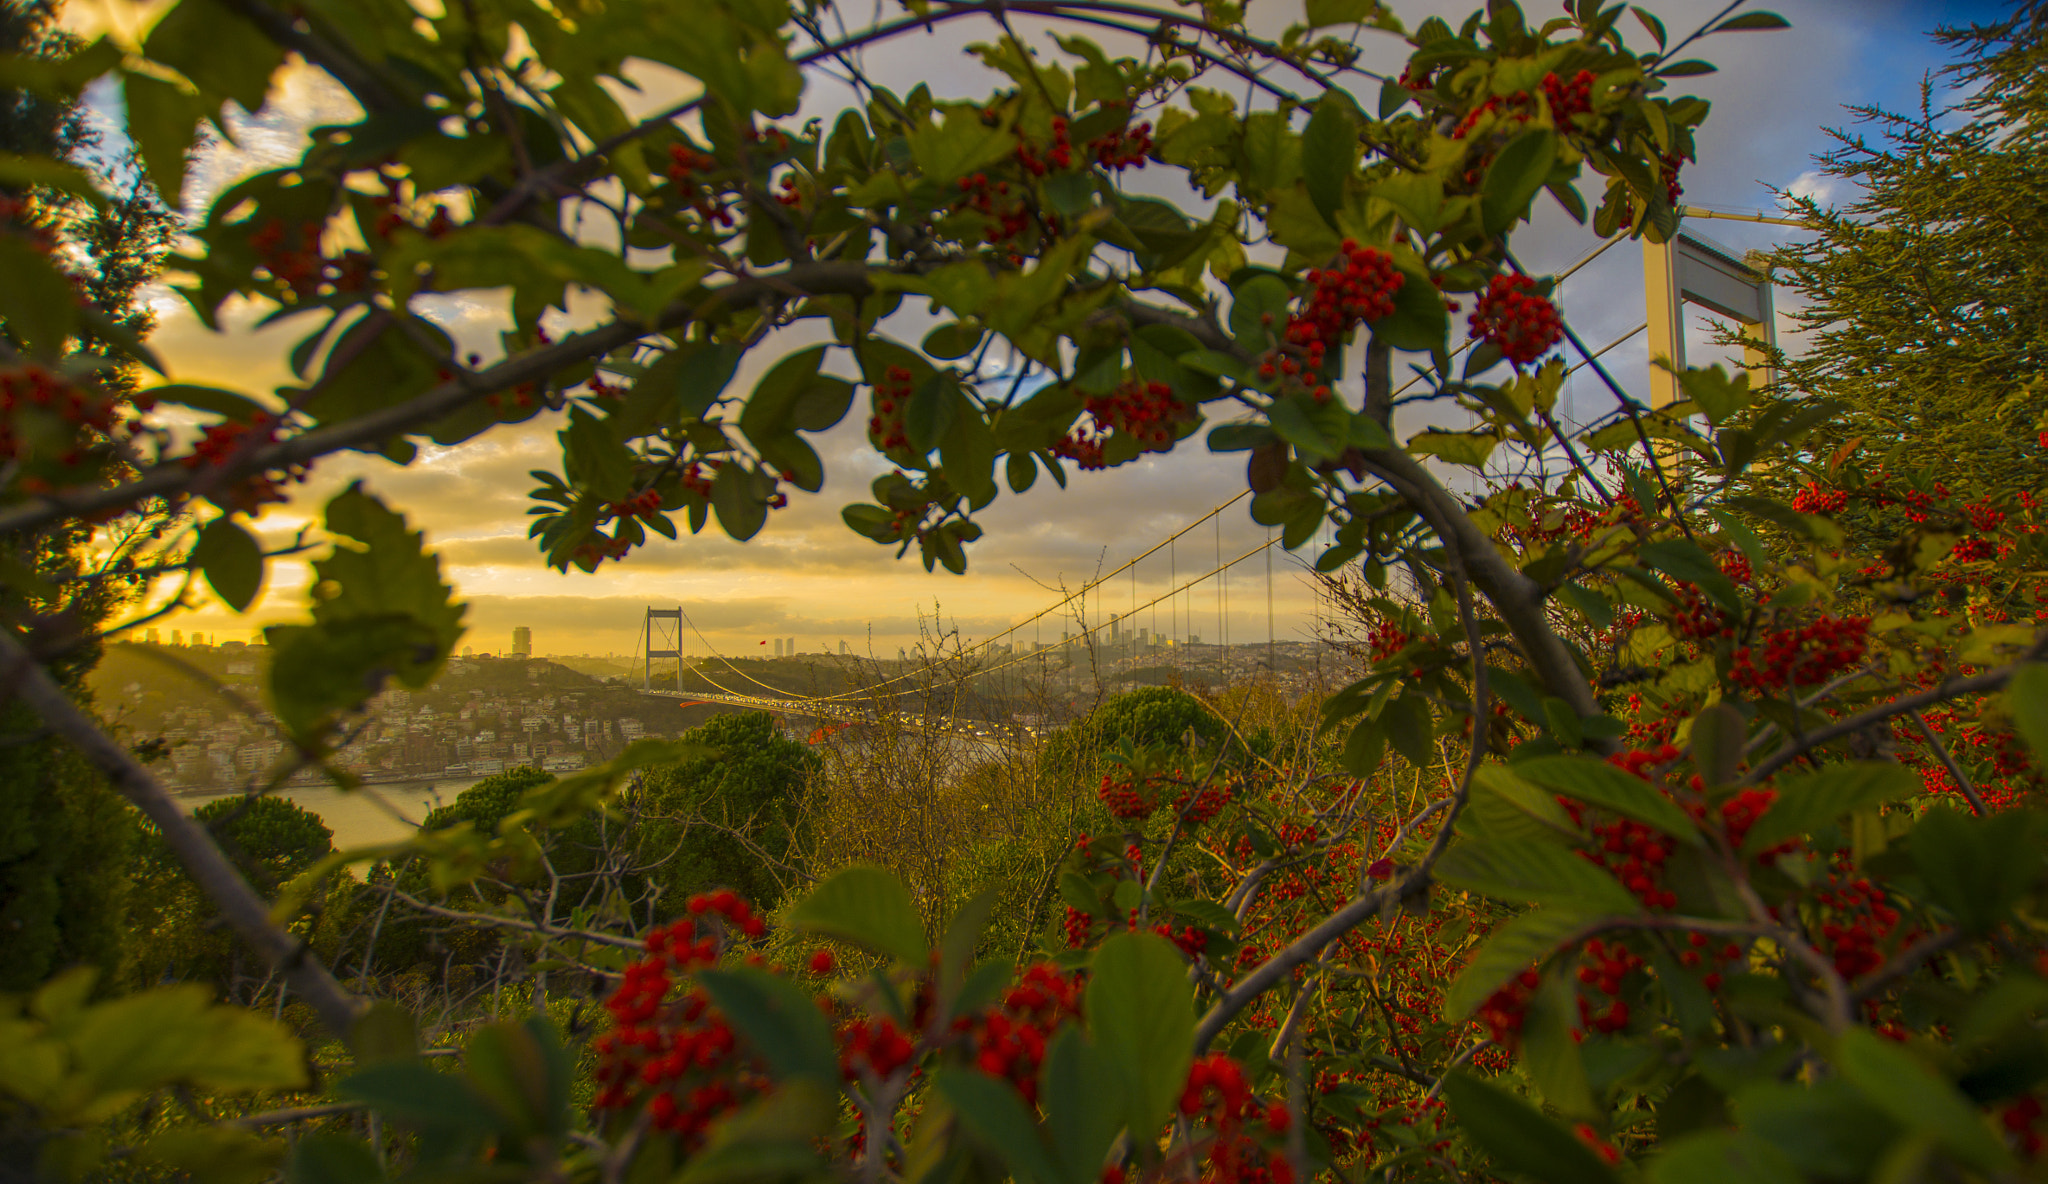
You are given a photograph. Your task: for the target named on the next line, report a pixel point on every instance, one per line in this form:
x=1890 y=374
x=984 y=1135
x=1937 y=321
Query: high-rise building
x=177 y=637
x=843 y=650
x=778 y=647
x=150 y=637
x=522 y=642
x=789 y=647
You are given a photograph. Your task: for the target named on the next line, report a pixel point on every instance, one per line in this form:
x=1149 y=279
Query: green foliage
x=751 y=780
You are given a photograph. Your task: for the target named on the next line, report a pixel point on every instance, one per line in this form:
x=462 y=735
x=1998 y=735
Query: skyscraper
x=778 y=647
x=522 y=642
x=789 y=647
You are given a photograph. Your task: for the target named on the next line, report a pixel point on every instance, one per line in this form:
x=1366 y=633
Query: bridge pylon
x=664 y=639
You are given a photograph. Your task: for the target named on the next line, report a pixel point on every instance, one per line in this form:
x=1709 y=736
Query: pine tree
x=64 y=834
x=1929 y=292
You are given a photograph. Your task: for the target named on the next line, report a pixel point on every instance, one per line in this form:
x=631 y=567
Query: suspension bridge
x=1688 y=269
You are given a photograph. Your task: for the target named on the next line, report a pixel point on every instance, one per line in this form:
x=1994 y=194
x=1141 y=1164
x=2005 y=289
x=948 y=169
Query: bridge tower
x=664 y=639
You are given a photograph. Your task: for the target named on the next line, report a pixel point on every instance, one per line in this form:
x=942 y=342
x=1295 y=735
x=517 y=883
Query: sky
x=809 y=578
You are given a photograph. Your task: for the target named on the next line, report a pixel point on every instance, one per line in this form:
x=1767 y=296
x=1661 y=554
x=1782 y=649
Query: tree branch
x=245 y=911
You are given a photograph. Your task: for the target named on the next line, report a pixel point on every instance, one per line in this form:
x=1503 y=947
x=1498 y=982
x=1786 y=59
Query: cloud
x=806 y=575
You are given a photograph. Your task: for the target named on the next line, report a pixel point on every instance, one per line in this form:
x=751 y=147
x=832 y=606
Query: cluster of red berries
x=891 y=402
x=1188 y=939
x=1735 y=565
x=789 y=195
x=1386 y=639
x=680 y=1055
x=1671 y=163
x=1983 y=515
x=1609 y=965
x=220 y=440
x=1123 y=148
x=1415 y=77
x=1147 y=411
x=1217 y=1089
x=646 y=503
x=33 y=386
x=1009 y=1039
x=874 y=1048
x=980 y=196
x=1634 y=853
x=1505 y=1010
x=1973 y=550
x=1741 y=812
x=1567 y=99
x=1812 y=499
x=1513 y=317
x=2019 y=1120
x=1697 y=952
x=1517 y=103
x=1060 y=156
x=1208 y=802
x=1696 y=618
x=1868 y=921
x=698 y=475
x=1127 y=800
x=298 y=263
x=1802 y=657
x=684 y=162
x=1360 y=288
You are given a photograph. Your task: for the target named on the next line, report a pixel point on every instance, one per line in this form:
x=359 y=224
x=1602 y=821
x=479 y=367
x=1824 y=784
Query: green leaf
x=1716 y=1157
x=1687 y=69
x=1522 y=942
x=1524 y=871
x=1977 y=868
x=172 y=1035
x=1365 y=748
x=1260 y=296
x=597 y=459
x=37 y=302
x=782 y=1023
x=1407 y=722
x=1918 y=1099
x=223 y=54
x=1324 y=13
x=411 y=1093
x=994 y=1112
x=868 y=907
x=1518 y=1137
x=1329 y=152
x=958 y=145
x=321 y=1157
x=1517 y=174
x=1752 y=20
x=1592 y=780
x=930 y=415
x=954 y=339
x=741 y=508
x=1459 y=448
x=1084 y=1105
x=1550 y=1051
x=232 y=561
x=1682 y=559
x=163 y=120
x=1807 y=803
x=2026 y=696
x=1141 y=1011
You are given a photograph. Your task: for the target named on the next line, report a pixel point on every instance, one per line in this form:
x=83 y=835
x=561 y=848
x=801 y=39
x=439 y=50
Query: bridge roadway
x=846 y=713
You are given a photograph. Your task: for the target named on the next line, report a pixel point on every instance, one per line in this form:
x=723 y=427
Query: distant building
x=789 y=648
x=177 y=637
x=150 y=637
x=522 y=642
x=778 y=647
x=843 y=650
